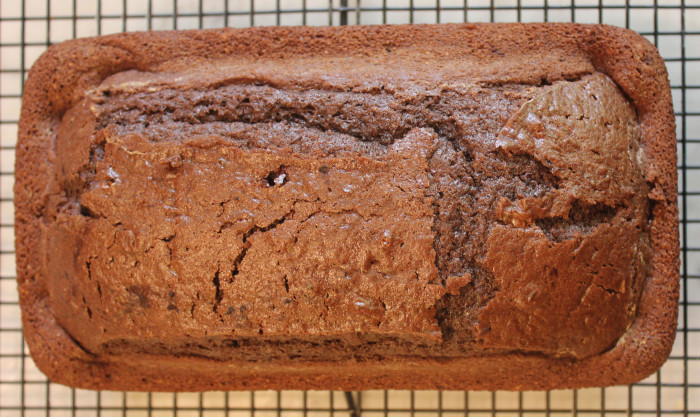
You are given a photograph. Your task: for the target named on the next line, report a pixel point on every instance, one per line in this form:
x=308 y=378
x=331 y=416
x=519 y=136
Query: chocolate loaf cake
x=427 y=207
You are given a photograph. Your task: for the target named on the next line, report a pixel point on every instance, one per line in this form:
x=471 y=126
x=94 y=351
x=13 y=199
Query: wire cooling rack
x=28 y=27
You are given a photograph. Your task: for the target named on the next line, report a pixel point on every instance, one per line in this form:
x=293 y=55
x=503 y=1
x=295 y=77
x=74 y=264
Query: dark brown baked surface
x=429 y=207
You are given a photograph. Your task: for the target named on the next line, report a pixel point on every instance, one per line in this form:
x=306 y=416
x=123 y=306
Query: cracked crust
x=109 y=124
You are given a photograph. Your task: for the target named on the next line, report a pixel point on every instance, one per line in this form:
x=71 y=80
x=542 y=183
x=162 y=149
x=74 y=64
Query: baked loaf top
x=408 y=197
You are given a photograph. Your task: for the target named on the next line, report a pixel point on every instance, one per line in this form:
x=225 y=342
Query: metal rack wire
x=28 y=27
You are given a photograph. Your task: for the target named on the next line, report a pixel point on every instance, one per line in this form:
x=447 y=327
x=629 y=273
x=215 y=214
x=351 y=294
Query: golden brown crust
x=507 y=54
